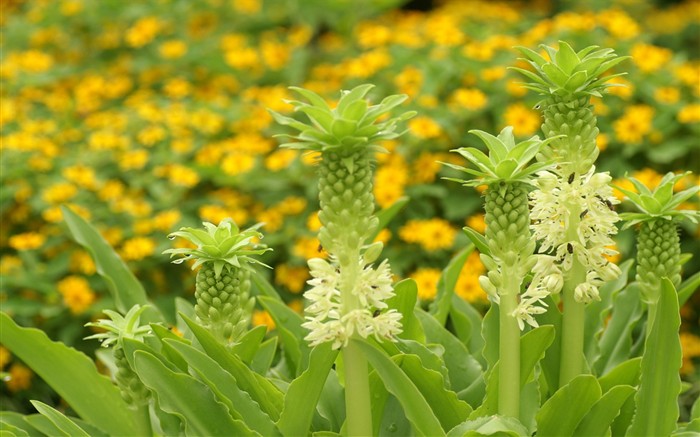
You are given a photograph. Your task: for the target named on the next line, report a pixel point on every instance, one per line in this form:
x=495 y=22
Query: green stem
x=358 y=410
x=573 y=314
x=509 y=350
x=144 y=417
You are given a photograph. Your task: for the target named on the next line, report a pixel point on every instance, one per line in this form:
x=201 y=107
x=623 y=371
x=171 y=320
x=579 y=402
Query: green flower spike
x=224 y=255
x=658 y=245
x=507 y=173
x=118 y=327
x=567 y=81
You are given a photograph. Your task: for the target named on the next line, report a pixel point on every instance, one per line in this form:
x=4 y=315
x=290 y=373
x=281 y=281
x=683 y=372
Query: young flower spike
x=658 y=245
x=342 y=301
x=348 y=295
x=117 y=328
x=224 y=254
x=567 y=80
x=506 y=172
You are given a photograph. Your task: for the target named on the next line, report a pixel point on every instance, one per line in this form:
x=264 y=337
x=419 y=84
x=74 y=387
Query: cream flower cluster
x=590 y=197
x=547 y=279
x=329 y=320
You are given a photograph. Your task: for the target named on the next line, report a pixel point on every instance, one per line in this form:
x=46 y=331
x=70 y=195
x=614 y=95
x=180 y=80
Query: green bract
x=507 y=161
x=118 y=327
x=660 y=203
x=568 y=72
x=352 y=124
x=221 y=245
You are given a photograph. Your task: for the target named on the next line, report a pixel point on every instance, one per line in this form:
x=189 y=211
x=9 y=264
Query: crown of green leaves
x=661 y=203
x=568 y=72
x=353 y=123
x=117 y=326
x=221 y=245
x=506 y=161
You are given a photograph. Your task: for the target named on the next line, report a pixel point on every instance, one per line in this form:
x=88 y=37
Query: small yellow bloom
x=137 y=248
x=477 y=223
x=424 y=128
x=432 y=234
x=524 y=120
x=20 y=378
x=293 y=278
x=263 y=318
x=27 y=241
x=308 y=247
x=172 y=49
x=689 y=113
x=469 y=98
x=426 y=280
x=77 y=294
x=650 y=58
x=280 y=159
x=238 y=163
x=667 y=95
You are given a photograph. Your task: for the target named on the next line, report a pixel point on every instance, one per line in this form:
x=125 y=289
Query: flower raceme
x=583 y=203
x=329 y=323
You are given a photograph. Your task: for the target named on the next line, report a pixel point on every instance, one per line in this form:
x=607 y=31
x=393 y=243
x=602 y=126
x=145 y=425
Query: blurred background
x=145 y=116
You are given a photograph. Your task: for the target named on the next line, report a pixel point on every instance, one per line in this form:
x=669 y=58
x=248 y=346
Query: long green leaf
x=440 y=307
x=598 y=420
x=466 y=321
x=688 y=288
x=269 y=397
x=125 y=288
x=491 y=425
x=263 y=358
x=16 y=420
x=416 y=407
x=562 y=413
x=657 y=398
x=616 y=342
x=447 y=407
x=67 y=427
x=462 y=368
x=187 y=398
x=73 y=376
x=290 y=331
x=304 y=392
x=404 y=301
x=226 y=389
x=550 y=362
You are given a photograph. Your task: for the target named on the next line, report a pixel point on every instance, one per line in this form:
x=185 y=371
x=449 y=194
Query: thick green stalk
x=573 y=313
x=358 y=411
x=509 y=349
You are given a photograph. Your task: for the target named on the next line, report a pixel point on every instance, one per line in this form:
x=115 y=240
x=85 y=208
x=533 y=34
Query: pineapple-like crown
x=223 y=245
x=568 y=72
x=661 y=203
x=117 y=326
x=506 y=161
x=353 y=123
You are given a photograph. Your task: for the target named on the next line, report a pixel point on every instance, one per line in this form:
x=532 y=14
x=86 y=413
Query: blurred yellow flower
x=426 y=280
x=308 y=247
x=424 y=128
x=667 y=95
x=59 y=193
x=137 y=248
x=263 y=318
x=172 y=49
x=293 y=278
x=82 y=262
x=689 y=113
x=467 y=286
x=650 y=58
x=20 y=378
x=477 y=223
x=143 y=31
x=524 y=120
x=77 y=294
x=27 y=241
x=238 y=163
x=469 y=98
x=432 y=234
x=634 y=124
x=280 y=159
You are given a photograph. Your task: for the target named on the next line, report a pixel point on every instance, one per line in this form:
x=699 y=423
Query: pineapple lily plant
x=559 y=352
